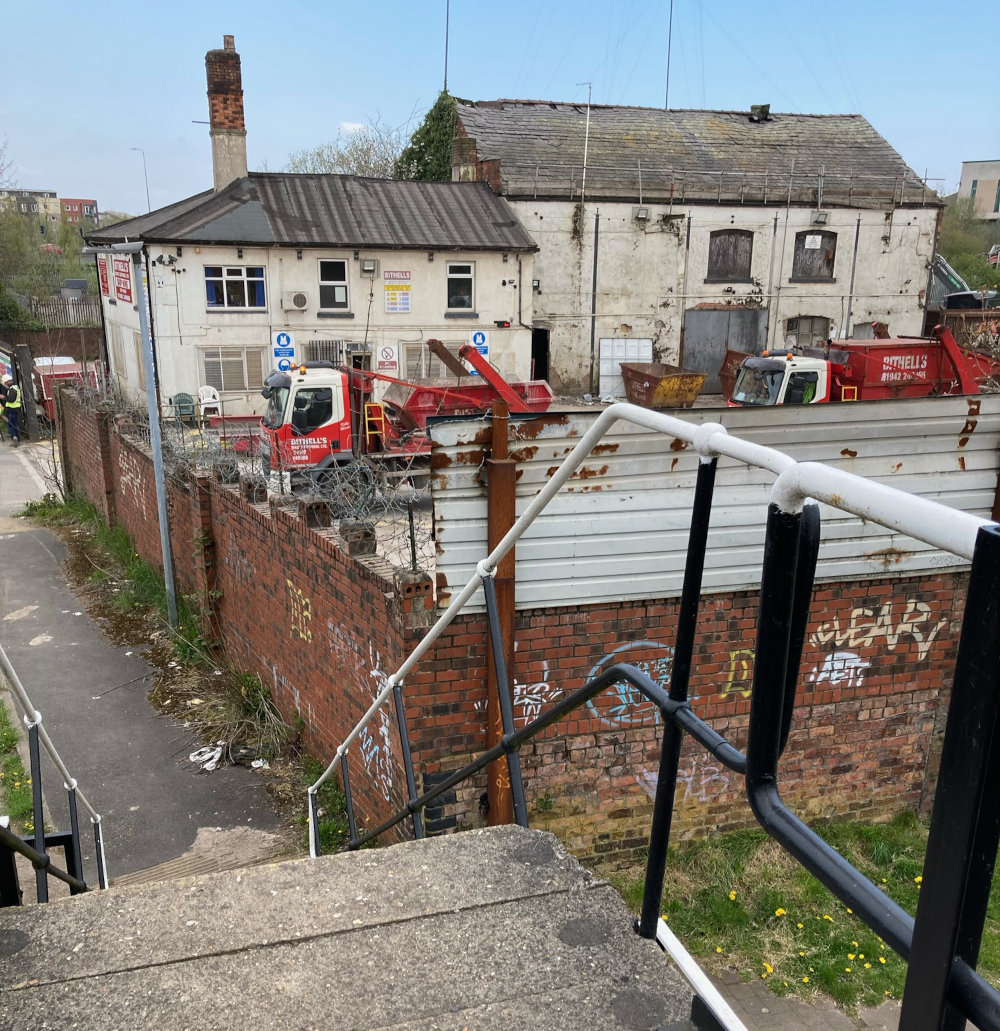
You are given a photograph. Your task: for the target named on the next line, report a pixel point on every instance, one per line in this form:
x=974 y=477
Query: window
x=972 y=192
x=460 y=285
x=333 y=284
x=729 y=252
x=801 y=389
x=233 y=368
x=117 y=348
x=807 y=331
x=312 y=408
x=996 y=200
x=814 y=255
x=234 y=287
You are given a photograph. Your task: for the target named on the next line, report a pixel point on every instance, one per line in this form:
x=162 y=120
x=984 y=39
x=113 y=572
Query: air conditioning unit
x=297 y=299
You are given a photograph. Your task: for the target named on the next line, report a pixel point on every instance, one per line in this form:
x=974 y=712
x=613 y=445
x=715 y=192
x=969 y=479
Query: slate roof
x=705 y=155
x=285 y=209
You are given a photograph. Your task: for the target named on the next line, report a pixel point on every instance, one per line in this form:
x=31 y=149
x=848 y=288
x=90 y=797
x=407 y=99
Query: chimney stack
x=225 y=113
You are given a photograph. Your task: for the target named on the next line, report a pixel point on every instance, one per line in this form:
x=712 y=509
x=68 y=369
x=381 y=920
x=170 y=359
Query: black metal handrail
x=39 y=860
x=942 y=942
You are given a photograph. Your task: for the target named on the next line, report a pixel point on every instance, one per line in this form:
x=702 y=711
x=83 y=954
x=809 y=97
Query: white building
x=980 y=183
x=689 y=232
x=281 y=267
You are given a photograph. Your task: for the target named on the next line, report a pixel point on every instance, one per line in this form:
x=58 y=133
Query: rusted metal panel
x=619 y=528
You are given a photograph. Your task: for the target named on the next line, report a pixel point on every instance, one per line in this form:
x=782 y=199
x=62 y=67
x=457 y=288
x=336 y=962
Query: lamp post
x=149 y=207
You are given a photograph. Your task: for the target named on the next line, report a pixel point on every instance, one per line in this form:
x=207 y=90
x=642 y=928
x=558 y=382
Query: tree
x=428 y=156
x=371 y=151
x=965 y=241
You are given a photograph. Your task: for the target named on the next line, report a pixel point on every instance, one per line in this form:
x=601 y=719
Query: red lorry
x=320 y=416
x=862 y=370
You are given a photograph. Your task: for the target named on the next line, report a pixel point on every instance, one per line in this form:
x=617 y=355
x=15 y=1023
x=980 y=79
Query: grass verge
x=15 y=784
x=741 y=902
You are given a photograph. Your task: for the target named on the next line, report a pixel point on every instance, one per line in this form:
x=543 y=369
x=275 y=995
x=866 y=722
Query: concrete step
x=491 y=929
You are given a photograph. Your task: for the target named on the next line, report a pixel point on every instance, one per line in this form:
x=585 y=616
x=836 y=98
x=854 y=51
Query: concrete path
x=129 y=762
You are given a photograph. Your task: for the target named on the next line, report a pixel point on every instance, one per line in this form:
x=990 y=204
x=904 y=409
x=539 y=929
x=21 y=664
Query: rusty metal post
x=500 y=470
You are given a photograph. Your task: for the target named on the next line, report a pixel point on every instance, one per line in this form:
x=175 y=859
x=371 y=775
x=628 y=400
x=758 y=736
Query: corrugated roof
x=706 y=155
x=285 y=209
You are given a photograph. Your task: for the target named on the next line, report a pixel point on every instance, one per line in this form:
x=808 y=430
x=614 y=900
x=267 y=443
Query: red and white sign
x=388 y=358
x=122 y=270
x=102 y=274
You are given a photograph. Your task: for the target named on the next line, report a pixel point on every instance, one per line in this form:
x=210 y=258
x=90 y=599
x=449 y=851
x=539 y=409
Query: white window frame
x=334 y=284
x=228 y=358
x=462 y=270
x=227 y=275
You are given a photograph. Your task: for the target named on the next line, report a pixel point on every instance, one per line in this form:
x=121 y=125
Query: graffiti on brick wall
x=300 y=612
x=699 y=779
x=374 y=740
x=235 y=559
x=529 y=699
x=739 y=676
x=376 y=749
x=846 y=668
x=865 y=628
x=130 y=480
x=623 y=704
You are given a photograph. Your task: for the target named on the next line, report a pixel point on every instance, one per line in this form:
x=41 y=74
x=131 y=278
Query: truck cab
x=307 y=424
x=782 y=379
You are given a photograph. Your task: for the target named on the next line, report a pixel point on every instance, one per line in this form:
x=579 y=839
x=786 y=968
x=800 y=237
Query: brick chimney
x=225 y=113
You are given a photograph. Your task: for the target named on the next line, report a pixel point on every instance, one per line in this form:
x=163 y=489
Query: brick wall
x=324 y=629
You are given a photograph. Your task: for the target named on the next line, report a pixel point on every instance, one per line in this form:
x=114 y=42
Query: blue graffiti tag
x=623 y=704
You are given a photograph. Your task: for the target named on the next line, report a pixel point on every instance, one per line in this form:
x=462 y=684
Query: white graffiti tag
x=865 y=627
x=701 y=780
x=841 y=668
x=529 y=698
x=375 y=747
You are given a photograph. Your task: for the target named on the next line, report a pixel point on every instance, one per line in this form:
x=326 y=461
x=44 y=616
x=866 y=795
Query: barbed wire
x=385 y=505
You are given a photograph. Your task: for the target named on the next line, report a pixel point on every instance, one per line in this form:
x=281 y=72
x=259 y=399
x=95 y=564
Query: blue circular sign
x=284 y=365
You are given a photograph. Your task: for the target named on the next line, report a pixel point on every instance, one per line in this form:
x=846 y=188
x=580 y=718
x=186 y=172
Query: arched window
x=729 y=254
x=815 y=253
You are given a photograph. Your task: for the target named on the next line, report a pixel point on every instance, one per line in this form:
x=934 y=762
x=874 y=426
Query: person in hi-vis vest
x=12 y=408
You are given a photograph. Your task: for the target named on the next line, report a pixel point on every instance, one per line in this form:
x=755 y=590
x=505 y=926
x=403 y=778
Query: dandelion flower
x=868 y=966
x=779 y=911
x=799 y=926
x=847 y=969
x=801 y=953
x=854 y=943
x=768 y=967
x=805 y=980
x=881 y=959
x=849 y=910
x=850 y=955
x=826 y=916
x=718 y=948
x=732 y=895
x=861 y=955
x=918 y=879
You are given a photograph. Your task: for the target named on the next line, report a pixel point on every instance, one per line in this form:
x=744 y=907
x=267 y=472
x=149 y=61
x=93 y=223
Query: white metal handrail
x=927 y=521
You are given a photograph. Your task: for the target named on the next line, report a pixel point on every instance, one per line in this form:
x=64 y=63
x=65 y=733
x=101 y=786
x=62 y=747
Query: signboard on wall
x=480 y=340
x=397 y=292
x=387 y=358
x=102 y=275
x=122 y=270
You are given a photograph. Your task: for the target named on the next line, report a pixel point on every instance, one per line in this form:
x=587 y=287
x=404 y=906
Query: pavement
x=164 y=817
x=129 y=762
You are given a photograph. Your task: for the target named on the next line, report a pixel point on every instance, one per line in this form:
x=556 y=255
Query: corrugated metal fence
x=619 y=528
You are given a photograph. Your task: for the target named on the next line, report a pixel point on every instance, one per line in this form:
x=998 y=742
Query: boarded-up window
x=423 y=364
x=140 y=358
x=807 y=331
x=233 y=368
x=815 y=253
x=729 y=253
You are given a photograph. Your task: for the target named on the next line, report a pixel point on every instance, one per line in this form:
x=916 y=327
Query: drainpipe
x=593 y=305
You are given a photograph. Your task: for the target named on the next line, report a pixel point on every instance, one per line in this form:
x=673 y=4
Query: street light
x=149 y=207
